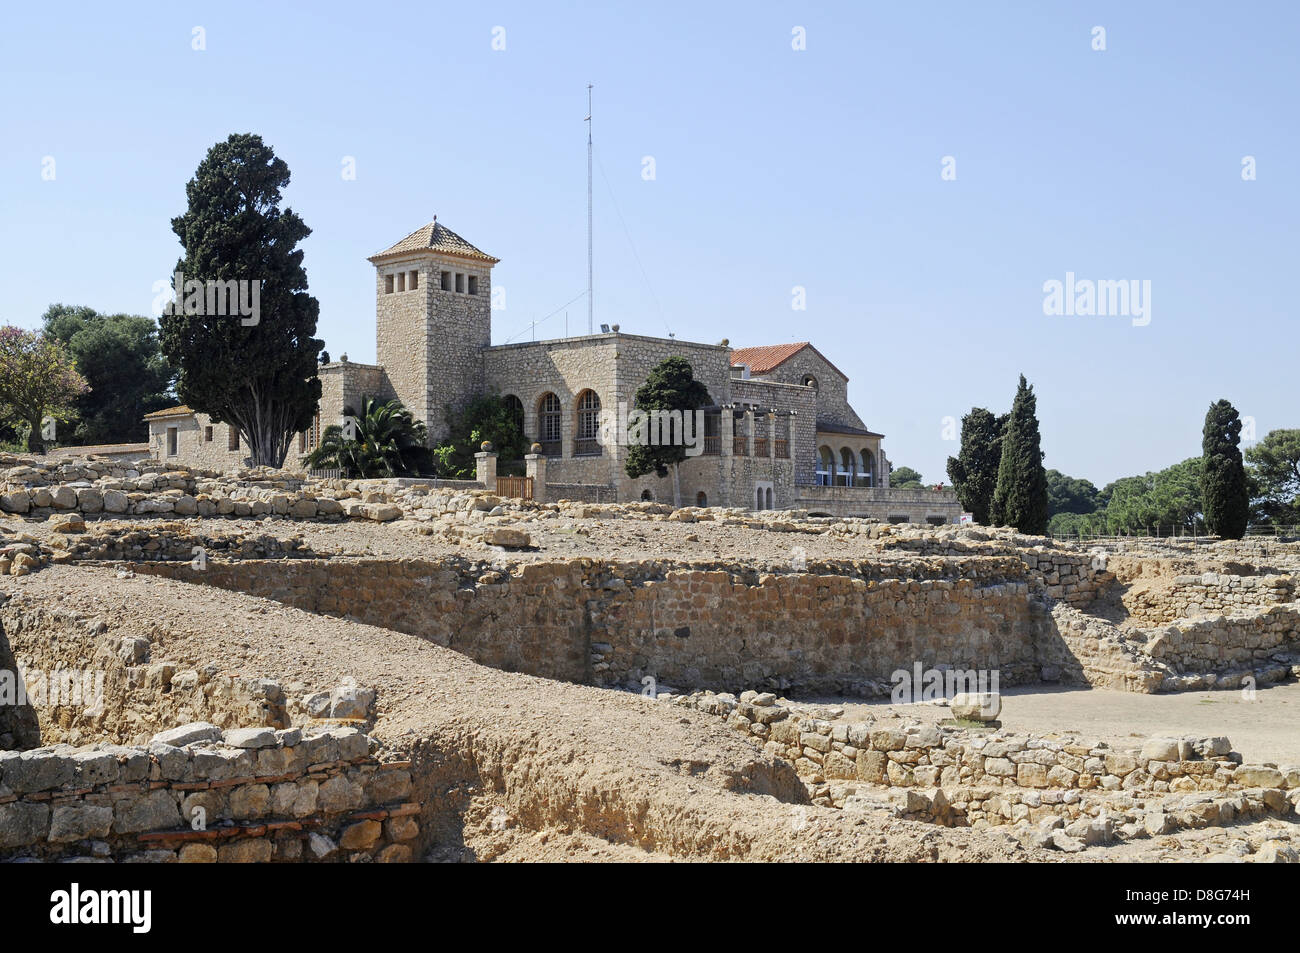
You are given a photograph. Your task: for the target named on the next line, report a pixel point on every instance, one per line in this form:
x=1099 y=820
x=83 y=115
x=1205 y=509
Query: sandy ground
x=1266 y=729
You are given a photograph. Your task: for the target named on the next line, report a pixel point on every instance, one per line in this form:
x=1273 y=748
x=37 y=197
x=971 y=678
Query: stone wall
x=194 y=795
x=200 y=443
x=1221 y=650
x=1209 y=592
x=959 y=776
x=887 y=504
x=612 y=624
x=84 y=683
x=832 y=386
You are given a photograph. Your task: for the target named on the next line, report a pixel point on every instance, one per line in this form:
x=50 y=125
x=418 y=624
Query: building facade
x=778 y=433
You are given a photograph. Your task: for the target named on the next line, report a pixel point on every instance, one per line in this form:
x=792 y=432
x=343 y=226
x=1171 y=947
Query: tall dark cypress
x=1020 y=499
x=1223 y=474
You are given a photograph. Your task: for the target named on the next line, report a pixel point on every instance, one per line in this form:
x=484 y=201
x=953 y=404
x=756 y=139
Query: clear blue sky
x=775 y=168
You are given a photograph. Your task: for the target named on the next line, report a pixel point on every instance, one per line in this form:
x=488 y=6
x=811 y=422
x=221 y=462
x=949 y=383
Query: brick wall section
x=267 y=795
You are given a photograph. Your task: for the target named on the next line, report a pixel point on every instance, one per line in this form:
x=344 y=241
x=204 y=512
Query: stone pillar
x=485 y=467
x=884 y=470
x=726 y=431
x=749 y=433
x=535 y=467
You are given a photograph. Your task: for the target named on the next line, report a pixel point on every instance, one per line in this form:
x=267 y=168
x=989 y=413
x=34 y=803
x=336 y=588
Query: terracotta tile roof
x=769 y=357
x=439 y=238
x=180 y=410
x=766 y=358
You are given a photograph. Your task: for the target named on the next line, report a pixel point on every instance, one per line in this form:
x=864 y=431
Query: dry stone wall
x=613 y=624
x=197 y=795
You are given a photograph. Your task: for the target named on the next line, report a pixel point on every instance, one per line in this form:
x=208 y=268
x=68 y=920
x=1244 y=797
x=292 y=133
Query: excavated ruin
x=406 y=673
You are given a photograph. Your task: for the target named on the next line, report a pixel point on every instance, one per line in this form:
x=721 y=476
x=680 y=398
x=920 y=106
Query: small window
x=207 y=434
x=232 y=440
x=173 y=441
x=647 y=496
x=810 y=381
x=701 y=499
x=302 y=442
x=412 y=281
x=388 y=284
x=401 y=281
x=473 y=284
x=460 y=283
x=444 y=281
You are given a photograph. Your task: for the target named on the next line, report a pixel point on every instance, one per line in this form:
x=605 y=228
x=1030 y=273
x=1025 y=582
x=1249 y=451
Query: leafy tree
x=257 y=373
x=670 y=385
x=119 y=356
x=1066 y=494
x=387 y=442
x=1275 y=471
x=1020 y=498
x=488 y=417
x=904 y=478
x=37 y=379
x=974 y=471
x=1223 y=478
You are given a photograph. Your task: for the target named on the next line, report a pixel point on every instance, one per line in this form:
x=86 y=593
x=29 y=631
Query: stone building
x=779 y=431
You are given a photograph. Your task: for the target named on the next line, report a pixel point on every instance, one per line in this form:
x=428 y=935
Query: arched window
x=758 y=498
x=768 y=494
x=515 y=407
x=588 y=425
x=847 y=461
x=868 y=468
x=810 y=381
x=825 y=467
x=701 y=499
x=549 y=416
x=647 y=496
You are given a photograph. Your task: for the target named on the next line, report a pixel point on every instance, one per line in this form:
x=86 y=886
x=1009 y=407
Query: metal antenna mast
x=590 y=307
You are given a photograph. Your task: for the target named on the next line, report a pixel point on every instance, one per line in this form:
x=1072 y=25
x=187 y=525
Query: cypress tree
x=1020 y=499
x=1223 y=475
x=974 y=471
x=258 y=372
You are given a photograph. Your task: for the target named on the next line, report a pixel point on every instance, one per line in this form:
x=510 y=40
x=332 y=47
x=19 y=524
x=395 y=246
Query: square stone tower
x=433 y=317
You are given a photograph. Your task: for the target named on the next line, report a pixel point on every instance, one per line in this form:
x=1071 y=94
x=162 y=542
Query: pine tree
x=256 y=373
x=1223 y=475
x=1020 y=499
x=974 y=471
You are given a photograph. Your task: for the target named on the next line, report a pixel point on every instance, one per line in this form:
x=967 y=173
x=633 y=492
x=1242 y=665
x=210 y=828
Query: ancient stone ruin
x=261 y=667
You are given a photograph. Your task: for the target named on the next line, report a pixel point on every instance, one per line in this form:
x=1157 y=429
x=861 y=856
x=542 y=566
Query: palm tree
x=388 y=442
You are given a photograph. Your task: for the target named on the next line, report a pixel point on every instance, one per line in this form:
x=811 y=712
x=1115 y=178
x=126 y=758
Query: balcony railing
x=760 y=446
x=782 y=448
x=589 y=447
x=738 y=446
x=712 y=446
